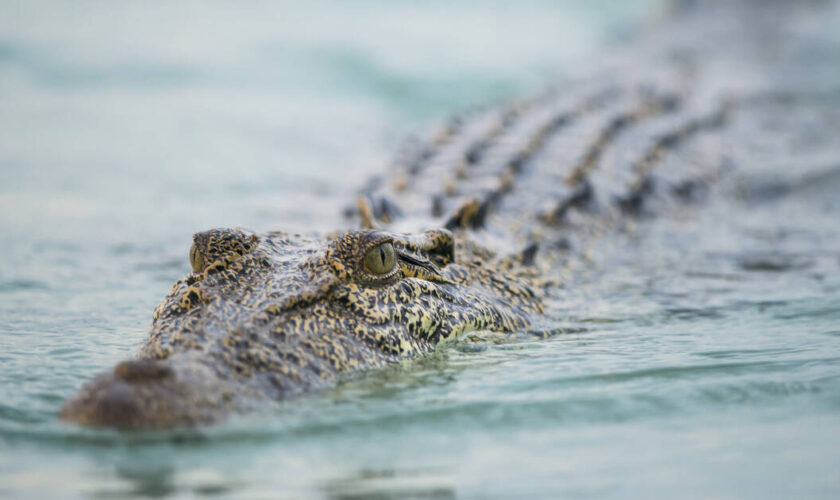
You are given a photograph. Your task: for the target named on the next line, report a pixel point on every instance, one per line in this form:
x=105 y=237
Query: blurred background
x=125 y=127
x=123 y=115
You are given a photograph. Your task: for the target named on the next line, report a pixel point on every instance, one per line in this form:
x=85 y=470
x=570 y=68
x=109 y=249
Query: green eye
x=380 y=259
x=196 y=261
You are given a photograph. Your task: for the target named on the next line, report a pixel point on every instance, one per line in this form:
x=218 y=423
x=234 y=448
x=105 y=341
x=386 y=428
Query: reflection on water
x=705 y=369
x=389 y=484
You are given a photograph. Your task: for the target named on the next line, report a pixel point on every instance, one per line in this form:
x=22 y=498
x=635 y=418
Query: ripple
x=742 y=353
x=19 y=285
x=14 y=414
x=774 y=262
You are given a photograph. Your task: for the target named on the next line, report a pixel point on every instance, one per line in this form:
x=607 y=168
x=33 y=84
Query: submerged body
x=470 y=231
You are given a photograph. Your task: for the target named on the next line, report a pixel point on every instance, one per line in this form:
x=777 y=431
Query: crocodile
x=473 y=229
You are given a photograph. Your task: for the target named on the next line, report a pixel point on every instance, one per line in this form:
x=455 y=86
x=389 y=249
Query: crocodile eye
x=196 y=261
x=380 y=259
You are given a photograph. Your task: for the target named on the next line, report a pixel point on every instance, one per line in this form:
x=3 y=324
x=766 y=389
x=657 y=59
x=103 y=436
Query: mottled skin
x=272 y=315
x=275 y=314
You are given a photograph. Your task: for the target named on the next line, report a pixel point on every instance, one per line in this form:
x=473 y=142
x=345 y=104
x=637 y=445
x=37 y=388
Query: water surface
x=707 y=365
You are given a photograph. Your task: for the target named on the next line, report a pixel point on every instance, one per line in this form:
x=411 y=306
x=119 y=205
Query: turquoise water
x=703 y=361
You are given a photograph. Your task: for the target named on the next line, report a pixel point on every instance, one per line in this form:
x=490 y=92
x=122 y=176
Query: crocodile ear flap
x=470 y=215
x=440 y=246
x=437 y=245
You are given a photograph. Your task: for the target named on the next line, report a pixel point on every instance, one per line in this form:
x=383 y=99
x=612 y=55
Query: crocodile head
x=276 y=314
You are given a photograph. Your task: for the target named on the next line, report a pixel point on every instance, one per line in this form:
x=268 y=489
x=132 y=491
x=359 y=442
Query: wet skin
x=273 y=315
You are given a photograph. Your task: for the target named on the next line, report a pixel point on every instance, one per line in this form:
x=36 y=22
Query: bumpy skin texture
x=696 y=105
x=273 y=315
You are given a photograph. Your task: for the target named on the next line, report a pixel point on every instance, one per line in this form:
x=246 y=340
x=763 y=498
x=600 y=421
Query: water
x=706 y=365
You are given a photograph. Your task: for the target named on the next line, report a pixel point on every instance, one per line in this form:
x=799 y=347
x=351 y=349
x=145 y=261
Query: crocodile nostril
x=142 y=370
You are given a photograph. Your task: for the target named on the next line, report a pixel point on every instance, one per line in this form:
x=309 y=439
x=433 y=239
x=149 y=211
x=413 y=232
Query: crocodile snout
x=147 y=394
